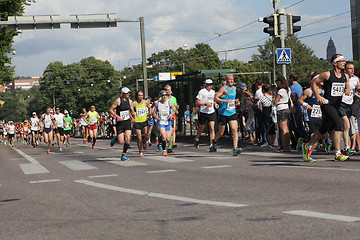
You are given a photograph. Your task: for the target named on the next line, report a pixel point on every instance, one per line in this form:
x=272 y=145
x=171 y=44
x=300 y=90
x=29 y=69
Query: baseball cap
x=125 y=90
x=243 y=85
x=34 y=113
x=208 y=81
x=162 y=92
x=66 y=111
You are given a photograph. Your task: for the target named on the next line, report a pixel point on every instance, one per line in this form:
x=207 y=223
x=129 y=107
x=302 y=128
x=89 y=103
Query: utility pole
x=143 y=54
x=281 y=13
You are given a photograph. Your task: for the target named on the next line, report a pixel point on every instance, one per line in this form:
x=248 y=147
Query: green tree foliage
x=303 y=58
x=8 y=8
x=80 y=85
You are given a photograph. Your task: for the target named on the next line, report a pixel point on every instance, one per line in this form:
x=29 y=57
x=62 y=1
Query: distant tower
x=330 y=50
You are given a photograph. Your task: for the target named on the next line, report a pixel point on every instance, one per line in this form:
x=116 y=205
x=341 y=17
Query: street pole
x=143 y=55
x=281 y=13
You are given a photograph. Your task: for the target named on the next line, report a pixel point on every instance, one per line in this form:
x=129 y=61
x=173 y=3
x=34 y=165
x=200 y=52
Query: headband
x=338 y=58
x=315 y=77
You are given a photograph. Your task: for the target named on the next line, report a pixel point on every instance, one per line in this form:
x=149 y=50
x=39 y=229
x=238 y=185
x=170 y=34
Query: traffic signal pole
x=281 y=13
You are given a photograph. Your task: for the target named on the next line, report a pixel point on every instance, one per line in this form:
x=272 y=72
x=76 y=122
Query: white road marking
x=305 y=213
x=159 y=195
x=271 y=163
x=102 y=176
x=78 y=152
x=323 y=168
x=168 y=159
x=117 y=161
x=221 y=166
x=33 y=168
x=162 y=171
x=77 y=165
x=206 y=155
x=46 y=181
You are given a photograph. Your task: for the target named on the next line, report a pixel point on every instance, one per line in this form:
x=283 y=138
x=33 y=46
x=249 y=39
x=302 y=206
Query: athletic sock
x=170 y=143
x=308 y=146
x=337 y=152
x=126 y=147
x=163 y=143
x=94 y=141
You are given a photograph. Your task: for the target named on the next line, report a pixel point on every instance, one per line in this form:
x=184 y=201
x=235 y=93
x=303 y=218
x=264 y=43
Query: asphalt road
x=82 y=193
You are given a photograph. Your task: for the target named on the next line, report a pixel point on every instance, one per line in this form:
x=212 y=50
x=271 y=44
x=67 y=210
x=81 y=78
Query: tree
x=8 y=8
x=303 y=58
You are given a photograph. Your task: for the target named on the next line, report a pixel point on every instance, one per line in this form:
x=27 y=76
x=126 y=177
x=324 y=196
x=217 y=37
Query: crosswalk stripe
x=77 y=165
x=305 y=213
x=221 y=166
x=168 y=159
x=46 y=181
x=117 y=161
x=102 y=176
x=162 y=171
x=34 y=167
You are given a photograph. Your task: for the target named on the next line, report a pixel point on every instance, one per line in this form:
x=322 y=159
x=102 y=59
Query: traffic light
x=273 y=29
x=291 y=29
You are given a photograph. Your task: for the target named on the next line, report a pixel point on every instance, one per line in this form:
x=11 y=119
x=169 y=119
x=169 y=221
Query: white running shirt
x=206 y=96
x=59 y=118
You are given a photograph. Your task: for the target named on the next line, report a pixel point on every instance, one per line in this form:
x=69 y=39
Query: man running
x=122 y=109
x=84 y=125
x=67 y=128
x=11 y=132
x=49 y=123
x=170 y=97
x=25 y=132
x=92 y=118
x=141 y=112
x=335 y=82
x=226 y=97
x=59 y=127
x=34 y=127
x=163 y=113
x=205 y=100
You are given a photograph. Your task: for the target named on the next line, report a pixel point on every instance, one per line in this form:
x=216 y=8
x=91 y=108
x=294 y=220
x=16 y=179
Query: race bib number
x=26 y=129
x=210 y=99
x=337 y=89
x=141 y=112
x=125 y=115
x=67 y=124
x=231 y=105
x=316 y=111
x=93 y=120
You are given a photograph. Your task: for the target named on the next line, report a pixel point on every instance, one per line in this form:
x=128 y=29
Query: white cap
x=34 y=113
x=208 y=81
x=125 y=90
x=66 y=111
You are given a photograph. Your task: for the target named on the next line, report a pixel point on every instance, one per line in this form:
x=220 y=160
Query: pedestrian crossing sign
x=283 y=55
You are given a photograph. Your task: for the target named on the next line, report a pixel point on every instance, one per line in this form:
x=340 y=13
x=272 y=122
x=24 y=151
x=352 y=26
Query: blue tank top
x=228 y=109
x=315 y=114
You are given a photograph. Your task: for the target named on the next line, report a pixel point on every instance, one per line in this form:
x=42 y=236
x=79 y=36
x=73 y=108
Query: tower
x=330 y=49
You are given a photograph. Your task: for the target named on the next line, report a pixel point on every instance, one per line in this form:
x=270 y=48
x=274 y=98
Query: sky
x=223 y=24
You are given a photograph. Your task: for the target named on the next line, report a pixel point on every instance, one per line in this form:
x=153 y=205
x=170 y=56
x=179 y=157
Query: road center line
x=305 y=213
x=162 y=171
x=46 y=181
x=323 y=168
x=159 y=195
x=101 y=176
x=221 y=166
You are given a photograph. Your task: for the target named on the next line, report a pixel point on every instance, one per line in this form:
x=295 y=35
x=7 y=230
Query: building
x=330 y=49
x=355 y=28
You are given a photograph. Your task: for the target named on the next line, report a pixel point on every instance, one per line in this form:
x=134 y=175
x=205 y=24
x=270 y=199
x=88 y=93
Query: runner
x=122 y=109
x=59 y=128
x=18 y=132
x=67 y=128
x=169 y=96
x=141 y=111
x=150 y=122
x=84 y=125
x=25 y=132
x=34 y=127
x=336 y=82
x=49 y=123
x=205 y=100
x=226 y=97
x=11 y=132
x=163 y=114
x=92 y=119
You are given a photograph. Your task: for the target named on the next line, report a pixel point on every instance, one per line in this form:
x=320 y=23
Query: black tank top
x=124 y=105
x=334 y=88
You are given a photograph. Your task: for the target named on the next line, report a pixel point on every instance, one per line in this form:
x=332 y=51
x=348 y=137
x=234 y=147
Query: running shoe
x=349 y=152
x=214 y=146
x=84 y=141
x=306 y=152
x=159 y=147
x=174 y=145
x=141 y=154
x=196 y=144
x=145 y=145
x=211 y=148
x=298 y=145
x=156 y=142
x=149 y=143
x=164 y=153
x=124 y=158
x=48 y=152
x=341 y=157
x=68 y=144
x=327 y=146
x=236 y=151
x=60 y=149
x=170 y=150
x=311 y=159
x=93 y=147
x=113 y=141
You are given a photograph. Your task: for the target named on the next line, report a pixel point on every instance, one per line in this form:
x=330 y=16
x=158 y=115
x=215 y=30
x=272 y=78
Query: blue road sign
x=283 y=55
x=156 y=78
